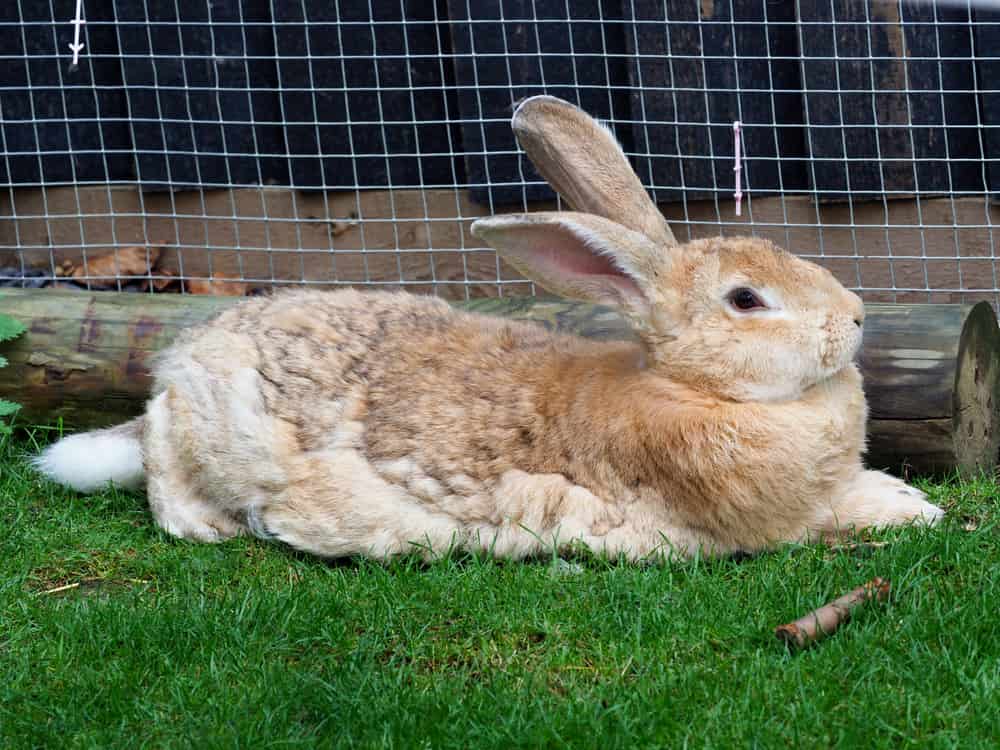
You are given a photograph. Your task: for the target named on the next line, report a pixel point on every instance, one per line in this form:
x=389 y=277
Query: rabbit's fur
x=378 y=423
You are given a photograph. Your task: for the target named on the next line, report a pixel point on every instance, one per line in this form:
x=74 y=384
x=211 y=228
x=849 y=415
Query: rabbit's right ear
x=581 y=159
x=588 y=258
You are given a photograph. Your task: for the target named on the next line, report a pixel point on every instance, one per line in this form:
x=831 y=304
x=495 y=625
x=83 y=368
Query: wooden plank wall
x=280 y=236
x=56 y=124
x=356 y=95
x=309 y=104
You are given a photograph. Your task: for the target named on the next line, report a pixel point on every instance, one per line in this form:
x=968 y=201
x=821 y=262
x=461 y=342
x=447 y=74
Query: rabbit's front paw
x=878 y=499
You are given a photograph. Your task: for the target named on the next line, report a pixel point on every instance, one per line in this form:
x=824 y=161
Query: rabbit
x=381 y=423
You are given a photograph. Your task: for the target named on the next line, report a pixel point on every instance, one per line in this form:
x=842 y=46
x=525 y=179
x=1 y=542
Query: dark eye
x=745 y=299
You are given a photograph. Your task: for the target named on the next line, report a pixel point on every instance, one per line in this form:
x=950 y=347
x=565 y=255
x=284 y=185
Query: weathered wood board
x=503 y=54
x=694 y=68
x=62 y=122
x=196 y=92
x=364 y=94
x=884 y=86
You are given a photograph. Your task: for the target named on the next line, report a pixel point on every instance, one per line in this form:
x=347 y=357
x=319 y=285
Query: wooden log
x=84 y=358
x=931 y=377
x=931 y=371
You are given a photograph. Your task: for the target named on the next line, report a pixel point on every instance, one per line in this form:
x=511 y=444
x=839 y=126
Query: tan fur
x=379 y=423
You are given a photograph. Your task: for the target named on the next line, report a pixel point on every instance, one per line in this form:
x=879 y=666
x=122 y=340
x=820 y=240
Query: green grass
x=171 y=644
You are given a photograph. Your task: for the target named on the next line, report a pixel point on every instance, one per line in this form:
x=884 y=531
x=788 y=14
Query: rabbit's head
x=739 y=318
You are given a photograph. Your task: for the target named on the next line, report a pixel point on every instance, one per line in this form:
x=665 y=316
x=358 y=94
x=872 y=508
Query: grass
x=165 y=644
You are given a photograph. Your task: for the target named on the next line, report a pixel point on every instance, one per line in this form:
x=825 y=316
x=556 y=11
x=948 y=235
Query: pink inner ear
x=569 y=258
x=558 y=255
x=586 y=262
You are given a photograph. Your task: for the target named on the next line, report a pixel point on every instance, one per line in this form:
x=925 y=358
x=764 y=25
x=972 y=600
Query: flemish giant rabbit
x=376 y=423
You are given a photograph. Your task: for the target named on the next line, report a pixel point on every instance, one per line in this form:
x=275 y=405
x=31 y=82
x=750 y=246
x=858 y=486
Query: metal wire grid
x=929 y=245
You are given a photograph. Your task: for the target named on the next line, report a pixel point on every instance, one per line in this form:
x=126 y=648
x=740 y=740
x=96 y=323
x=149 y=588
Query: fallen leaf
x=220 y=285
x=123 y=262
x=340 y=226
x=162 y=279
x=560 y=567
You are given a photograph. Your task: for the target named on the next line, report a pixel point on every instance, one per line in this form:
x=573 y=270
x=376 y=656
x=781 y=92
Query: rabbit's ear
x=581 y=159
x=579 y=256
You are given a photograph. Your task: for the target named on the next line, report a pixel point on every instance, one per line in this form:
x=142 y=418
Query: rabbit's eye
x=745 y=299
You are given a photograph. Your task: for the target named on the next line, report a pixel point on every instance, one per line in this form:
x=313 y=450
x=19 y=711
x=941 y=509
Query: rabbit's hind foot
x=181 y=513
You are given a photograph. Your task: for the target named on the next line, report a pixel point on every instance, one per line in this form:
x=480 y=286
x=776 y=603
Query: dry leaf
x=164 y=278
x=340 y=226
x=126 y=261
x=220 y=285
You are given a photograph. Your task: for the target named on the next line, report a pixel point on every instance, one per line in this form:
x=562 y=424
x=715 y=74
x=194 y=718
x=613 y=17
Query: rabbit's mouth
x=841 y=343
x=840 y=351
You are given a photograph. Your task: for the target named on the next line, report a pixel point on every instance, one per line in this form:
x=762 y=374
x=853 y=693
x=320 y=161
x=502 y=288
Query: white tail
x=90 y=460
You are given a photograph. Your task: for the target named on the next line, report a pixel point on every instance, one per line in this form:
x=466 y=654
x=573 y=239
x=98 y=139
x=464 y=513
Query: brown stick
x=824 y=621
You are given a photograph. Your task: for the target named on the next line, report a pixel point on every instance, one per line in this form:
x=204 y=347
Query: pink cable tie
x=738 y=169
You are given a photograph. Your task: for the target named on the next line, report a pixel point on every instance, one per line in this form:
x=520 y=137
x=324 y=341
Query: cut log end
x=931 y=376
x=975 y=408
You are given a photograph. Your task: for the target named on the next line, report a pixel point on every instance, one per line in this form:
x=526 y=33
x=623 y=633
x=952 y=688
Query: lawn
x=161 y=643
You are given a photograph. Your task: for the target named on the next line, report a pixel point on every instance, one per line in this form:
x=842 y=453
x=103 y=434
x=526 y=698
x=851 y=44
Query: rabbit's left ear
x=581 y=159
x=580 y=256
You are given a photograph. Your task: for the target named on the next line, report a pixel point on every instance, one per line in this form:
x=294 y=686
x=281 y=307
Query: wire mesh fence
x=229 y=146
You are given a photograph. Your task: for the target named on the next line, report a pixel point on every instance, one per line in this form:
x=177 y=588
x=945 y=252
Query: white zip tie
x=738 y=169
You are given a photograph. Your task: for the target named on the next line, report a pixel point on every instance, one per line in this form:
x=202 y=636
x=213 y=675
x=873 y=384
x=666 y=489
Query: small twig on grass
x=57 y=589
x=859 y=546
x=825 y=620
x=859 y=549
x=95 y=582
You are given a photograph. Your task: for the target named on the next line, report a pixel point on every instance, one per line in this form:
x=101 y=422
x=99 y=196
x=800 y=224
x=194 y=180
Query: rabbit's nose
x=859 y=313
